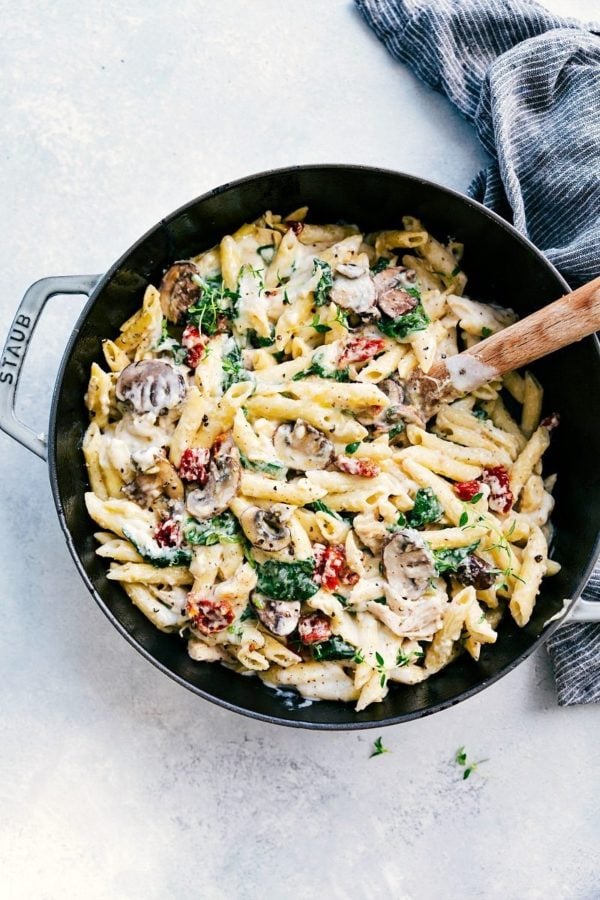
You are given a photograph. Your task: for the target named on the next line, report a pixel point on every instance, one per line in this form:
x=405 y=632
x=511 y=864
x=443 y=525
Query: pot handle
x=16 y=346
x=15 y=352
x=585 y=611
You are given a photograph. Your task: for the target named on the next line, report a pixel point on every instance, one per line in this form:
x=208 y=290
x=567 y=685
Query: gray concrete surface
x=116 y=783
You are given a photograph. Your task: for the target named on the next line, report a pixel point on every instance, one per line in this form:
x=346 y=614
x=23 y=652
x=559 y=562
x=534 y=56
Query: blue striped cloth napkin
x=529 y=82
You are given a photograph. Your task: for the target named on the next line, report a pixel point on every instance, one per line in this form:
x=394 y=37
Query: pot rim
x=103 y=281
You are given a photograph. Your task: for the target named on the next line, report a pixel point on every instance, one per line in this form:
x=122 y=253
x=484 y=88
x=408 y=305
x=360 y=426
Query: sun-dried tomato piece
x=363 y=467
x=329 y=564
x=194 y=355
x=219 y=441
x=359 y=349
x=551 y=422
x=190 y=337
x=195 y=343
x=296 y=227
x=168 y=533
x=314 y=628
x=466 y=490
x=331 y=568
x=193 y=465
x=209 y=615
x=348 y=576
x=501 y=496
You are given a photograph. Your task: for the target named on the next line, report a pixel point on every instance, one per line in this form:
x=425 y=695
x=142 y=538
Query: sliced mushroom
x=161 y=482
x=302 y=447
x=476 y=572
x=224 y=475
x=390 y=286
x=279 y=616
x=150 y=386
x=178 y=290
x=353 y=289
x=407 y=565
x=266 y=528
x=398 y=412
x=393 y=390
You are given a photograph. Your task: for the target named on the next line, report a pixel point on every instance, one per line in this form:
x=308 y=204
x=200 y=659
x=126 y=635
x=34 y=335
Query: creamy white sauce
x=467 y=373
x=144 y=431
x=120 y=457
x=292 y=699
x=327 y=357
x=252 y=311
x=356 y=293
x=140 y=533
x=146 y=458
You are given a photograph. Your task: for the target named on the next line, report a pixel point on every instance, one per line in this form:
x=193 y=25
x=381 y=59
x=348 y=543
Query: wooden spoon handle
x=573 y=317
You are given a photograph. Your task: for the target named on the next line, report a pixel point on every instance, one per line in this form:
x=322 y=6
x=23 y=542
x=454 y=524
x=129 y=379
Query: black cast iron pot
x=502 y=267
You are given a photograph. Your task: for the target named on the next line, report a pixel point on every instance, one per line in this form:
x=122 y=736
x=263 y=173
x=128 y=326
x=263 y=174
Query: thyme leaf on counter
x=378 y=748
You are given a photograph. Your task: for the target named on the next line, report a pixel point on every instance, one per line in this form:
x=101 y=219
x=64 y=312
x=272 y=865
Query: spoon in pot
x=570 y=319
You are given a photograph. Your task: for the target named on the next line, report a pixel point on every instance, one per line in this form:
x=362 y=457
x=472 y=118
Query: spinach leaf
x=222 y=529
x=316 y=368
x=255 y=340
x=247 y=551
x=161 y=557
x=167 y=344
x=415 y=320
x=427 y=508
x=287 y=581
x=272 y=469
x=164 y=332
x=319 y=506
x=233 y=369
x=382 y=263
x=396 y=430
x=449 y=560
x=325 y=284
x=334 y=648
x=178 y=352
x=215 y=302
x=248 y=613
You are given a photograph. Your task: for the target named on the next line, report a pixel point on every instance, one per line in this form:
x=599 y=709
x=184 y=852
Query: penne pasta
x=265 y=486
